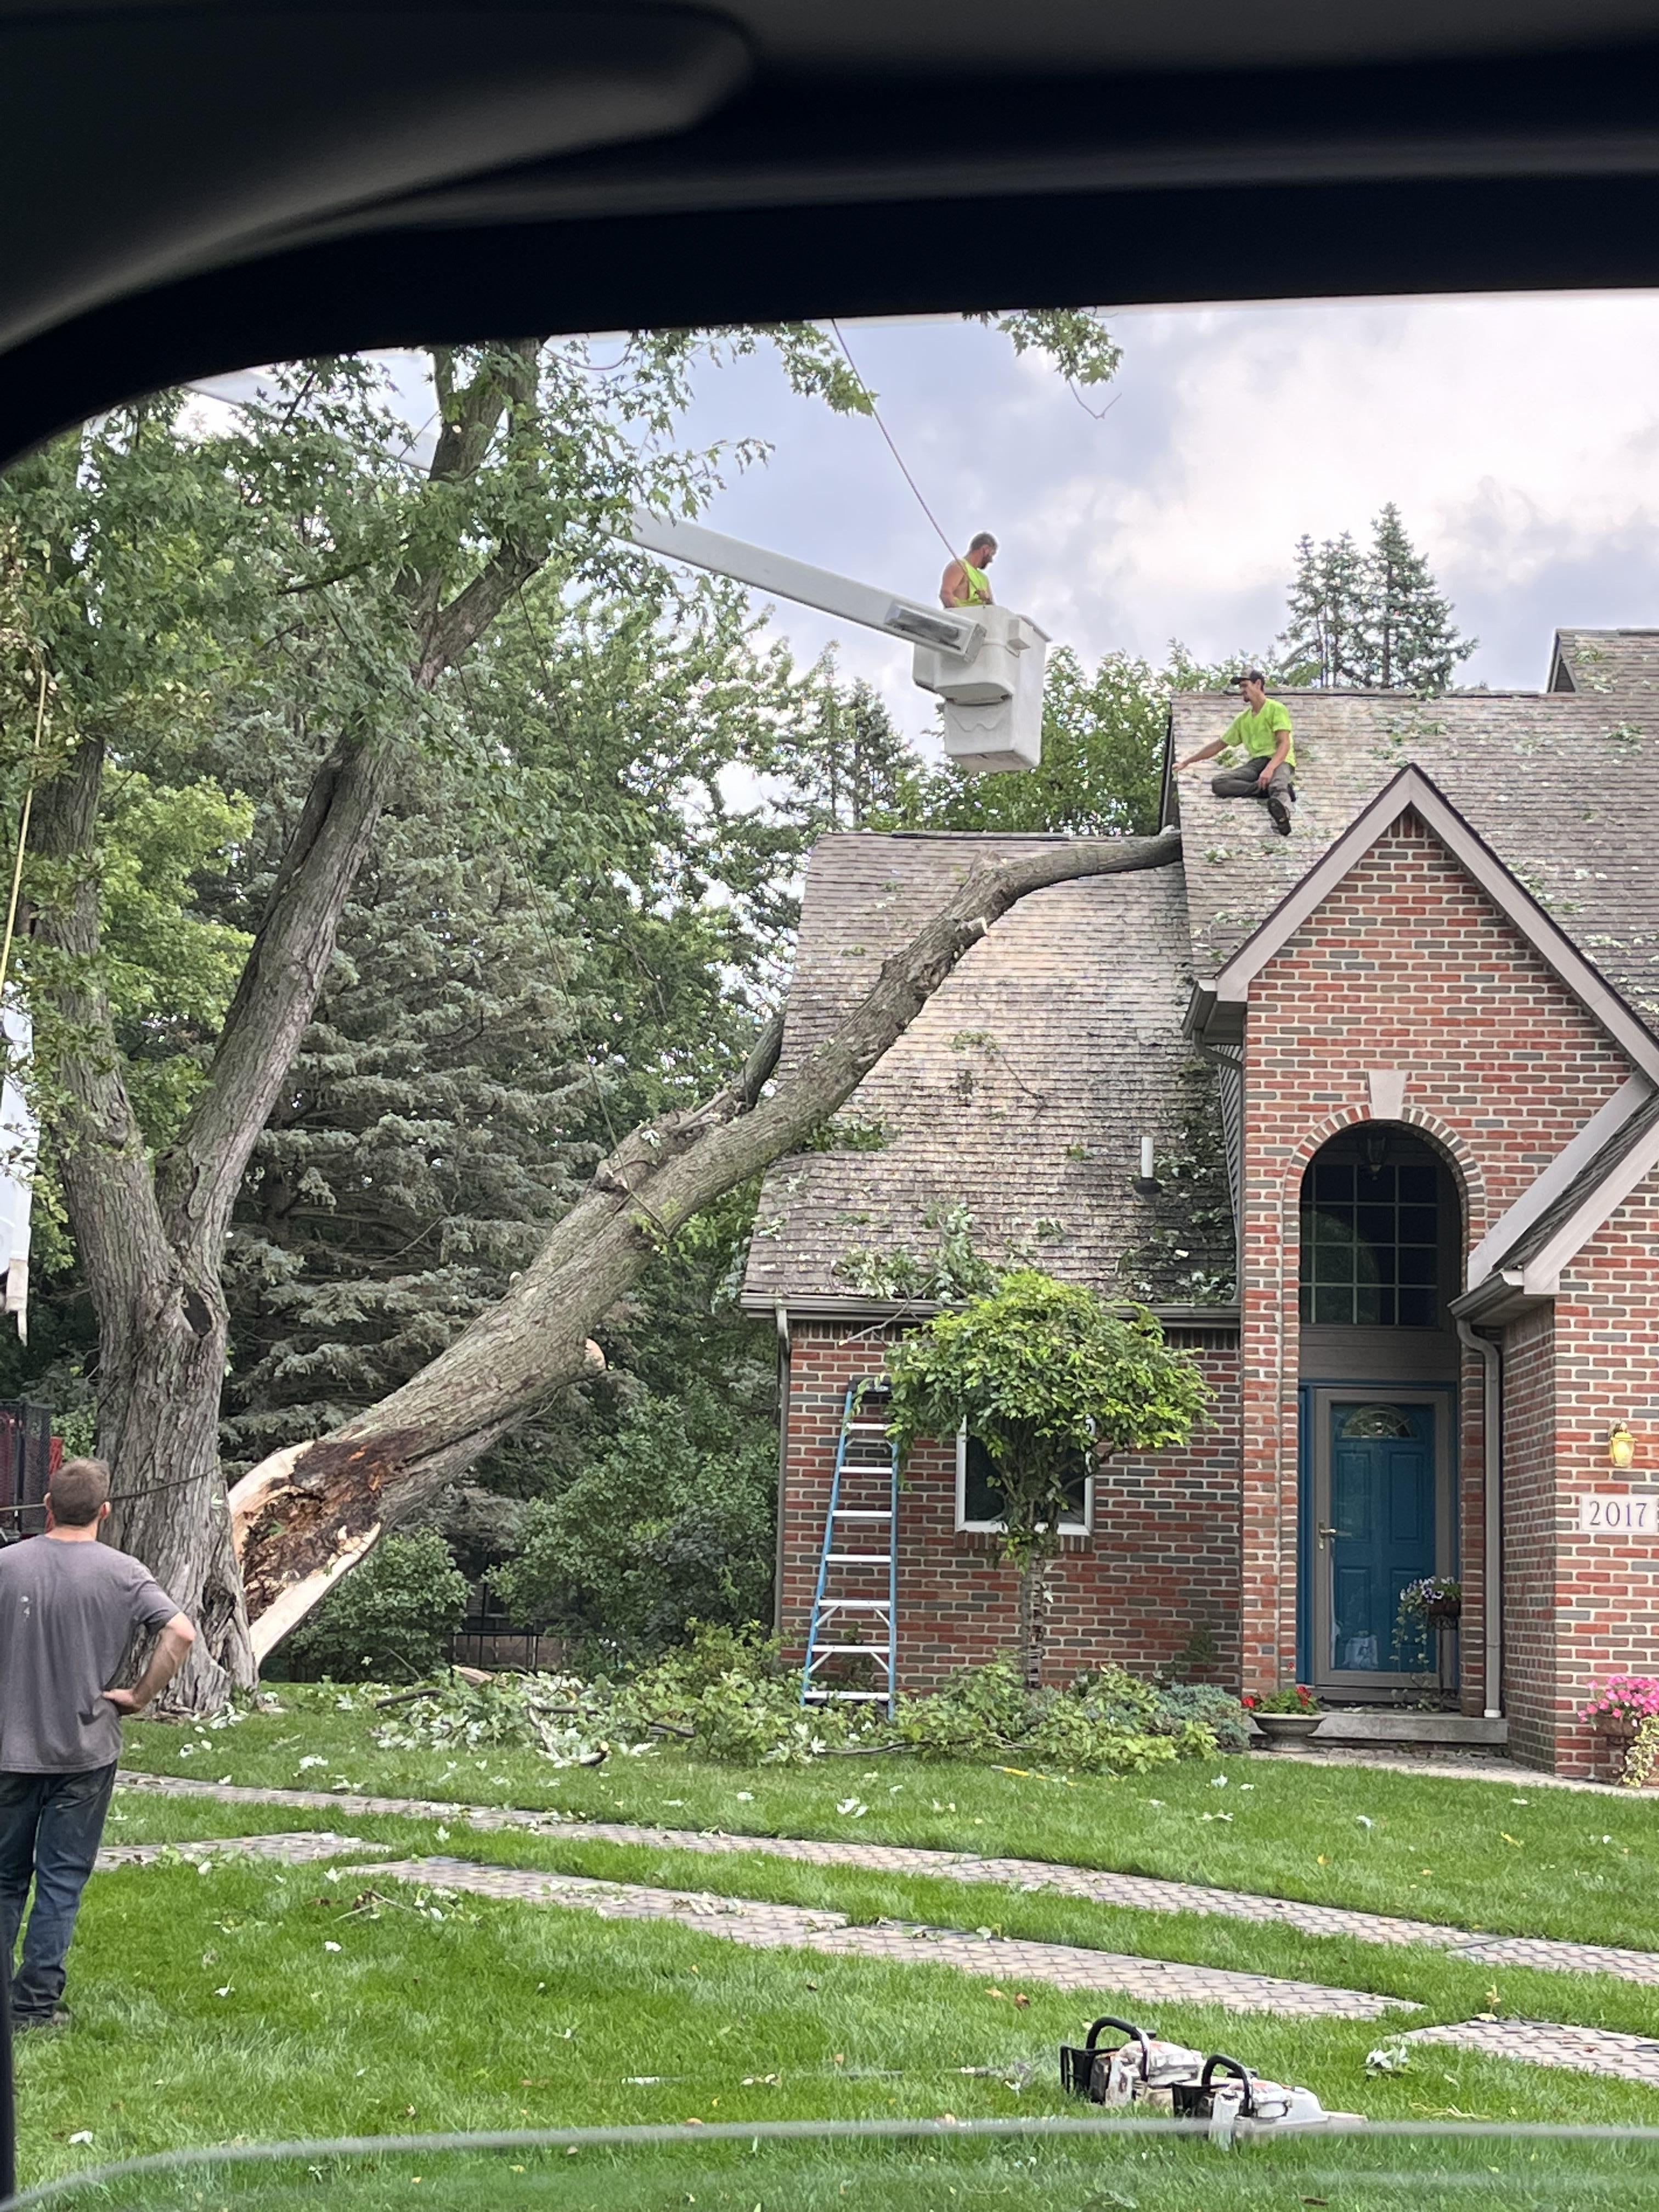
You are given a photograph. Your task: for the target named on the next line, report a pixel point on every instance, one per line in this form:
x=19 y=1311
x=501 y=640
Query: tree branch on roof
x=308 y=1515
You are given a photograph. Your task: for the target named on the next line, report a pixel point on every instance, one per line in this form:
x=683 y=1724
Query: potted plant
x=1287 y=1715
x=1434 y=1601
x=1625 y=1714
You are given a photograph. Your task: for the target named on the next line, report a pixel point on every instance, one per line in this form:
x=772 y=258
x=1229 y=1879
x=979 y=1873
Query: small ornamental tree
x=1042 y=1373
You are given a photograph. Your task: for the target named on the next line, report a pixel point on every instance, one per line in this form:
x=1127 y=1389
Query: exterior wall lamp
x=1621 y=1446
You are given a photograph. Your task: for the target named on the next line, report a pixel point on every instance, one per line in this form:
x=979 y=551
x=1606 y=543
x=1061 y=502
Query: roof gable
x=1412 y=790
x=1563 y=787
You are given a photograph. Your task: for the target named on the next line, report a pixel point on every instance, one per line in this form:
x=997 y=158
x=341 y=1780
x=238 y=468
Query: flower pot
x=1282 y=1729
x=1615 y=1733
x=1444 y=1612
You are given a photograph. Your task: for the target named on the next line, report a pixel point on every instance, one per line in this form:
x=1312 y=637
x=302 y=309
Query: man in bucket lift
x=964 y=583
x=1262 y=732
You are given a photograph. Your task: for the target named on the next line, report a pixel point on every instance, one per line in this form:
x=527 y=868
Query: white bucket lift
x=987 y=664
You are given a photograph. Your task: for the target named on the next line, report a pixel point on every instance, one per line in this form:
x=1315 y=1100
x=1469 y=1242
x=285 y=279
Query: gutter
x=1492 y=1446
x=861 y=1306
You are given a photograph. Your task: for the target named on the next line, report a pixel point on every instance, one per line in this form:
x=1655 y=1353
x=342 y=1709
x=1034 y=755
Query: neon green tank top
x=978 y=585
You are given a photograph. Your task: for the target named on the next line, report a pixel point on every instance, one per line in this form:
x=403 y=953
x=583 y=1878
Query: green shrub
x=728 y=1696
x=1210 y=1707
x=390 y=1619
x=653 y=1533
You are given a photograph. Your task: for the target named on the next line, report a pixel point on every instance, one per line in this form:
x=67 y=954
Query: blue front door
x=1381 y=1533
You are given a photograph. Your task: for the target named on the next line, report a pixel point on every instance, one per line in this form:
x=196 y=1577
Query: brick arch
x=1465 y=1168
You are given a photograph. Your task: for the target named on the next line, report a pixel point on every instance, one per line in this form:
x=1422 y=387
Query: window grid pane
x=1369 y=1246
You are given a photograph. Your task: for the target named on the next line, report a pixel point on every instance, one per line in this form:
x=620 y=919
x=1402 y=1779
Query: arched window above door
x=1371 y=1236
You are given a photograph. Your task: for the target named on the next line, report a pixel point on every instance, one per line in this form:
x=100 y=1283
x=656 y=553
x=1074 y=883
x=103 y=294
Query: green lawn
x=208 y=2007
x=211 y=2007
x=1511 y=1858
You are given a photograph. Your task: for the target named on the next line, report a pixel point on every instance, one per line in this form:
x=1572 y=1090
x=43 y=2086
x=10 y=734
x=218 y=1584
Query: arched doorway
x=1381 y=1247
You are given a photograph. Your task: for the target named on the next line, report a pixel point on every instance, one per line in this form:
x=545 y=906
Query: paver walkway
x=1141 y=1892
x=1541 y=2043
x=742 y=1920
x=298 y=1847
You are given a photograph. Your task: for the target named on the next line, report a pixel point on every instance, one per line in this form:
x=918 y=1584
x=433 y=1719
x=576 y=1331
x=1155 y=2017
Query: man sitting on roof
x=964 y=583
x=1263 y=731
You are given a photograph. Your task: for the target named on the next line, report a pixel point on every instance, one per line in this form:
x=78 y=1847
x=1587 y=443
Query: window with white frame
x=980 y=1499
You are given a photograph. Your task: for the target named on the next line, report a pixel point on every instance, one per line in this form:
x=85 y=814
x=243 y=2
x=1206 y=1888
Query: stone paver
x=1141 y=1893
x=1541 y=2043
x=1062 y=1965
x=296 y=1848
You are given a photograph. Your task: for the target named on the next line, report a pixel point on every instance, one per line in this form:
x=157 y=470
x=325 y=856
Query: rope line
x=875 y=416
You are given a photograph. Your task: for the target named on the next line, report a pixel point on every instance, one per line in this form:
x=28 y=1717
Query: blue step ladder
x=858 y=1585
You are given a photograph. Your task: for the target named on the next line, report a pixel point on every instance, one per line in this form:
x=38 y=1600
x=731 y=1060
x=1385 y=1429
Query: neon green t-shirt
x=1259 y=733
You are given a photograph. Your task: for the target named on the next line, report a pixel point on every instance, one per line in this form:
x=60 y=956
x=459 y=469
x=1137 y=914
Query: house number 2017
x=1619 y=1516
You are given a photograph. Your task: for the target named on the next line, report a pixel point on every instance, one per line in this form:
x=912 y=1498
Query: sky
x=1518 y=436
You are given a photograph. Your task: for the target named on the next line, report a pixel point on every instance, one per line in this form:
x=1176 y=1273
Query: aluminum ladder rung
x=864 y=1450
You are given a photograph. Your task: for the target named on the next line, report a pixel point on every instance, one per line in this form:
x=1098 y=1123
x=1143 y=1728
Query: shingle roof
x=1619 y=1148
x=1021 y=1090
x=1603 y=663
x=1563 y=786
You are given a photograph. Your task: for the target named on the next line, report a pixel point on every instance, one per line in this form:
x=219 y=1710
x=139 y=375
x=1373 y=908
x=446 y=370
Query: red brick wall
x=1161 y=1566
x=1407 y=965
x=1529 y=1519
x=1607 y=1588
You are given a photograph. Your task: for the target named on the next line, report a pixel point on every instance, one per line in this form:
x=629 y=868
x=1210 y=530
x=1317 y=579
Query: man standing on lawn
x=69 y=1608
x=1262 y=732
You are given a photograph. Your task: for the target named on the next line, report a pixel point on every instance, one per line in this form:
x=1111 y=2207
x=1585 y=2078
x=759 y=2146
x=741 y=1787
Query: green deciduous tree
x=393 y=1622
x=1103 y=755
x=1042 y=1373
x=654 y=1531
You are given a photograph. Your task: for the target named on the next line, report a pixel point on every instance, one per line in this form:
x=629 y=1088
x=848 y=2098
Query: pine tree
x=839 y=762
x=1324 y=642
x=1412 y=643
x=1375 y=621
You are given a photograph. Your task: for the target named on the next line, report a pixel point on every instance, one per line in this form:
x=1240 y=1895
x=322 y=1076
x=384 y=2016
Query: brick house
x=1401 y=1073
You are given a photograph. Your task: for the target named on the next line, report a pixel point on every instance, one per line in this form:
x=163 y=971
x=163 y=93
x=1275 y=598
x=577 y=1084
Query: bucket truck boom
x=986 y=664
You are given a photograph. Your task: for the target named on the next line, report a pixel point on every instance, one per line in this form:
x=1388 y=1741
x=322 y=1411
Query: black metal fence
x=25 y=1459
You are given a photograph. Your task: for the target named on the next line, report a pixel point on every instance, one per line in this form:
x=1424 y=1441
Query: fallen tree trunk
x=306 y=1515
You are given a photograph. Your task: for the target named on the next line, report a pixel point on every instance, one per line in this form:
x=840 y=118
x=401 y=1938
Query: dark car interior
x=192 y=188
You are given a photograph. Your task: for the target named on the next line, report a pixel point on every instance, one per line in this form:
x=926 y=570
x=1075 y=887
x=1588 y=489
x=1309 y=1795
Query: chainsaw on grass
x=1144 y=2071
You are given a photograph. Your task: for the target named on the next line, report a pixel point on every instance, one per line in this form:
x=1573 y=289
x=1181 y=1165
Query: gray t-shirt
x=67 y=1611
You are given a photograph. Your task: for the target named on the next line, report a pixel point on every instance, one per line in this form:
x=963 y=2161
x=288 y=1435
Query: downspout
x=782 y=1316
x=1493 y=1445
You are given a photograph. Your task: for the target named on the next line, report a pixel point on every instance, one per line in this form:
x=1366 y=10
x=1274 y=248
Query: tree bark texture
x=1032 y=1625
x=306 y=1515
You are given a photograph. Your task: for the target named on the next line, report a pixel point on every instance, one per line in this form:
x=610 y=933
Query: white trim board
x=1412 y=789
x=1536 y=1201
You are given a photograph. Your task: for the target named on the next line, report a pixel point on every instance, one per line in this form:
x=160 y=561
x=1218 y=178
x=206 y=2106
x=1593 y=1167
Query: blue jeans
x=50 y=1827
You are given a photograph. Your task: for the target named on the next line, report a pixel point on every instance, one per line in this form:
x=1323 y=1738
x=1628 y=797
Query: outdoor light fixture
x=1147 y=1181
x=1621 y=1446
x=1374 y=1147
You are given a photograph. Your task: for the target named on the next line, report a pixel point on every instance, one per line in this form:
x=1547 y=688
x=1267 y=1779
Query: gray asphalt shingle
x=1024 y=1086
